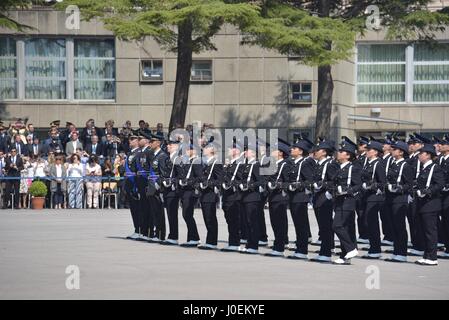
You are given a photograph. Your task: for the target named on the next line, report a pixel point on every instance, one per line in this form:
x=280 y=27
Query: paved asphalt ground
x=36 y=247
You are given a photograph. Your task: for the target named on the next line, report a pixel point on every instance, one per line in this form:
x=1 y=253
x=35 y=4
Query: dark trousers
x=324 y=218
x=12 y=186
x=398 y=214
x=262 y=224
x=188 y=205
x=342 y=224
x=252 y=213
x=415 y=234
x=157 y=210
x=372 y=216
x=146 y=221
x=232 y=215
x=361 y=219
x=300 y=219
x=48 y=196
x=244 y=229
x=427 y=225
x=279 y=223
x=445 y=227
x=387 y=222
x=209 y=210
x=134 y=206
x=58 y=196
x=172 y=205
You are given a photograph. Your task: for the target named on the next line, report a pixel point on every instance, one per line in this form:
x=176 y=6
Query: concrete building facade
x=53 y=73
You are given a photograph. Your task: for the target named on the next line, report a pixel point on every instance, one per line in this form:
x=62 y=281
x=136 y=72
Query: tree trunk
x=324 y=105
x=325 y=86
x=183 y=70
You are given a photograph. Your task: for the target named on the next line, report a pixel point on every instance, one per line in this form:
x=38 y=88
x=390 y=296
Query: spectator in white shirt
x=75 y=174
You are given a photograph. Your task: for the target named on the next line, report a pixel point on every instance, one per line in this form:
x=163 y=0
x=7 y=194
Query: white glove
x=420 y=194
x=316 y=187
x=391 y=188
x=261 y=189
x=216 y=190
x=307 y=191
x=156 y=185
x=328 y=195
x=409 y=199
x=173 y=187
x=340 y=191
x=365 y=187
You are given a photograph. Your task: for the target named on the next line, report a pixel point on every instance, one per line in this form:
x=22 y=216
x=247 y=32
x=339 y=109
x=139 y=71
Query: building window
x=201 y=71
x=94 y=74
x=381 y=73
x=431 y=73
x=8 y=69
x=45 y=69
x=57 y=69
x=300 y=92
x=151 y=70
x=397 y=73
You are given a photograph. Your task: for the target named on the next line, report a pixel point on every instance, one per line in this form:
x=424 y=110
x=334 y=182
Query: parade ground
x=36 y=248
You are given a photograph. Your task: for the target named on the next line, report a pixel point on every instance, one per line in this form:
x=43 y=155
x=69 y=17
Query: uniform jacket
x=305 y=179
x=376 y=179
x=347 y=202
x=431 y=202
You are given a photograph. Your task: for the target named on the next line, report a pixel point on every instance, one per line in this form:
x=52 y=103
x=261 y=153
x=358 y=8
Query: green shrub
x=38 y=189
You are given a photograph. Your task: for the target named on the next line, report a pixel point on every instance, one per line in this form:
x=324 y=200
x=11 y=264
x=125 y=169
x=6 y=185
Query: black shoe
x=275 y=255
x=188 y=245
x=169 y=242
x=207 y=247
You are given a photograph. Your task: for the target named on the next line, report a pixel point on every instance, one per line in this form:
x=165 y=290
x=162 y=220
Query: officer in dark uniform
x=264 y=161
x=373 y=184
x=308 y=158
x=438 y=144
x=131 y=190
x=444 y=163
x=157 y=170
x=400 y=177
x=323 y=175
x=251 y=187
x=385 y=216
x=360 y=206
x=429 y=184
x=300 y=180
x=143 y=161
x=171 y=190
x=414 y=144
x=277 y=186
x=231 y=197
x=192 y=174
x=346 y=185
x=209 y=187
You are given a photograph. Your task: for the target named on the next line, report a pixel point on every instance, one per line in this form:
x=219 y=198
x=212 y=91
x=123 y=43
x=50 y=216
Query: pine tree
x=284 y=21
x=181 y=26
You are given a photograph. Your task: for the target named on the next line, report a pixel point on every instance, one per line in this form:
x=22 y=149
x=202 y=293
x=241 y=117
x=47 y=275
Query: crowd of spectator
x=77 y=164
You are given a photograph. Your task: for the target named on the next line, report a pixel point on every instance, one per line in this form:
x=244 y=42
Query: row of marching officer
x=379 y=179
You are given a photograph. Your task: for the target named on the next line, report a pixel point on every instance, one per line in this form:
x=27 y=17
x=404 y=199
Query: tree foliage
x=6 y=21
x=136 y=19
